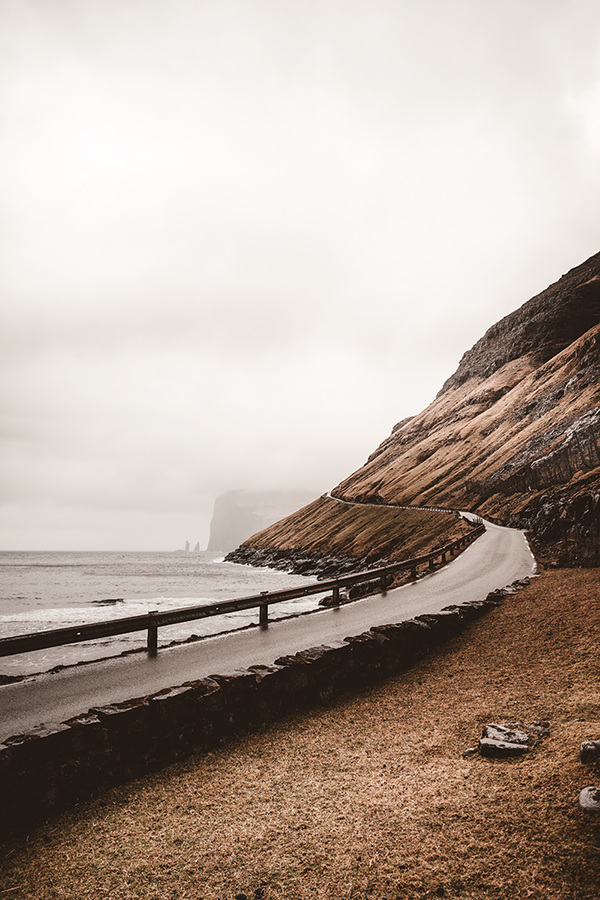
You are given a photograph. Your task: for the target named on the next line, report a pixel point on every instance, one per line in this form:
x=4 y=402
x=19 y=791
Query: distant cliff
x=514 y=433
x=239 y=514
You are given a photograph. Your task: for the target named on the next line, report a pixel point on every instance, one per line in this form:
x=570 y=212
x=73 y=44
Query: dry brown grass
x=328 y=527
x=372 y=797
x=469 y=433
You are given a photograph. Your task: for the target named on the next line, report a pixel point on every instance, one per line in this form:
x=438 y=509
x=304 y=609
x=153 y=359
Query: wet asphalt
x=495 y=560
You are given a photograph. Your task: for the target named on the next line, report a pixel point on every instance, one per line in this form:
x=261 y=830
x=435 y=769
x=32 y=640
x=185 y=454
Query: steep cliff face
x=540 y=329
x=514 y=433
x=517 y=432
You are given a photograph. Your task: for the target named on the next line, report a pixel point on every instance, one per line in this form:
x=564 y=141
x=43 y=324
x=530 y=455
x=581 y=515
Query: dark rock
x=298 y=562
x=589 y=752
x=500 y=749
x=542 y=327
x=328 y=601
x=364 y=589
x=446 y=623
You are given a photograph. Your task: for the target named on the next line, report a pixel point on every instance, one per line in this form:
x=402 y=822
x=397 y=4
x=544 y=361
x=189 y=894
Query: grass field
x=372 y=796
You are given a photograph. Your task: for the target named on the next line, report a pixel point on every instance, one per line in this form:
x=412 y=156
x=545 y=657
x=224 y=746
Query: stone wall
x=58 y=765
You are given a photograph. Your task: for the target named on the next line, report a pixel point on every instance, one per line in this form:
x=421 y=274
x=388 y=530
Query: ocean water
x=40 y=591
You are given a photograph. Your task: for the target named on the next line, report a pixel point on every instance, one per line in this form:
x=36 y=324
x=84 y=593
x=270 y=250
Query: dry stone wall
x=58 y=765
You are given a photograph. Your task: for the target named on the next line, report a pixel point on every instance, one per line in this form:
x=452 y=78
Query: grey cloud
x=240 y=240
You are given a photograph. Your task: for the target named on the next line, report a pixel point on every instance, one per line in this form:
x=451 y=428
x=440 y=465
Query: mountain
x=513 y=434
x=239 y=514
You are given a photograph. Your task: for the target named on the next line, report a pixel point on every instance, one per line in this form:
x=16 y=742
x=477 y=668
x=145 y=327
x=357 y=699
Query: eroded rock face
x=541 y=328
x=578 y=450
x=578 y=534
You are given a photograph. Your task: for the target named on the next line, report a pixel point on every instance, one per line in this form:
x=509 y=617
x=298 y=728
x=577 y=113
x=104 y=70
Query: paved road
x=495 y=560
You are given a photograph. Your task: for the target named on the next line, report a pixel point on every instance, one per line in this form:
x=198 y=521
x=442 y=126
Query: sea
x=44 y=590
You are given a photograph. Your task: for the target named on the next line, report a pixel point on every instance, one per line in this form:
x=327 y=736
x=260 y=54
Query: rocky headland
x=513 y=434
x=239 y=514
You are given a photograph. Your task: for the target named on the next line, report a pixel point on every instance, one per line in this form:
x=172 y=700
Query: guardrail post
x=263 y=615
x=432 y=563
x=443 y=557
x=413 y=573
x=384 y=584
x=152 y=634
x=336 y=595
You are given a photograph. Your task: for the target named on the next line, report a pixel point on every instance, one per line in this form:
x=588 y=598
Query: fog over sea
x=44 y=590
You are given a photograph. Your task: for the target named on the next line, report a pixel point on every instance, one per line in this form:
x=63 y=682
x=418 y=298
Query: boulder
x=589 y=799
x=589 y=752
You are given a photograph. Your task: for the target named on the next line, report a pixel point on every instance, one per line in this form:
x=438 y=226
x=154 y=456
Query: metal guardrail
x=43 y=640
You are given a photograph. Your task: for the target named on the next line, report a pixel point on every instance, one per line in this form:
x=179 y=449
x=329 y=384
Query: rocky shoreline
x=302 y=562
x=388 y=533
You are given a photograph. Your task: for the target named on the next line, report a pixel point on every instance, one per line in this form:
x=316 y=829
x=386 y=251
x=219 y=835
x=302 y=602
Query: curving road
x=494 y=560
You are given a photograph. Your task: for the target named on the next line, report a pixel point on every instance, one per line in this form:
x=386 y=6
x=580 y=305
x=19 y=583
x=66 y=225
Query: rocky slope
x=514 y=434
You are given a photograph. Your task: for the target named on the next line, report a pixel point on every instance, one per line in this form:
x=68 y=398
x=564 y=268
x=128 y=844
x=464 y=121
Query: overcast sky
x=241 y=239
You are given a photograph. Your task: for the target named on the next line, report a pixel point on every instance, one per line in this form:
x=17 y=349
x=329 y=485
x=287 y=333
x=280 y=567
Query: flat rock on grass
x=506 y=733
x=501 y=741
x=500 y=749
x=509 y=739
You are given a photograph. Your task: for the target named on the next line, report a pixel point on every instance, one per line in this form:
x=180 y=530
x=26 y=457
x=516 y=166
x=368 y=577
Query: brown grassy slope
x=336 y=529
x=455 y=451
x=497 y=436
x=372 y=797
x=514 y=431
